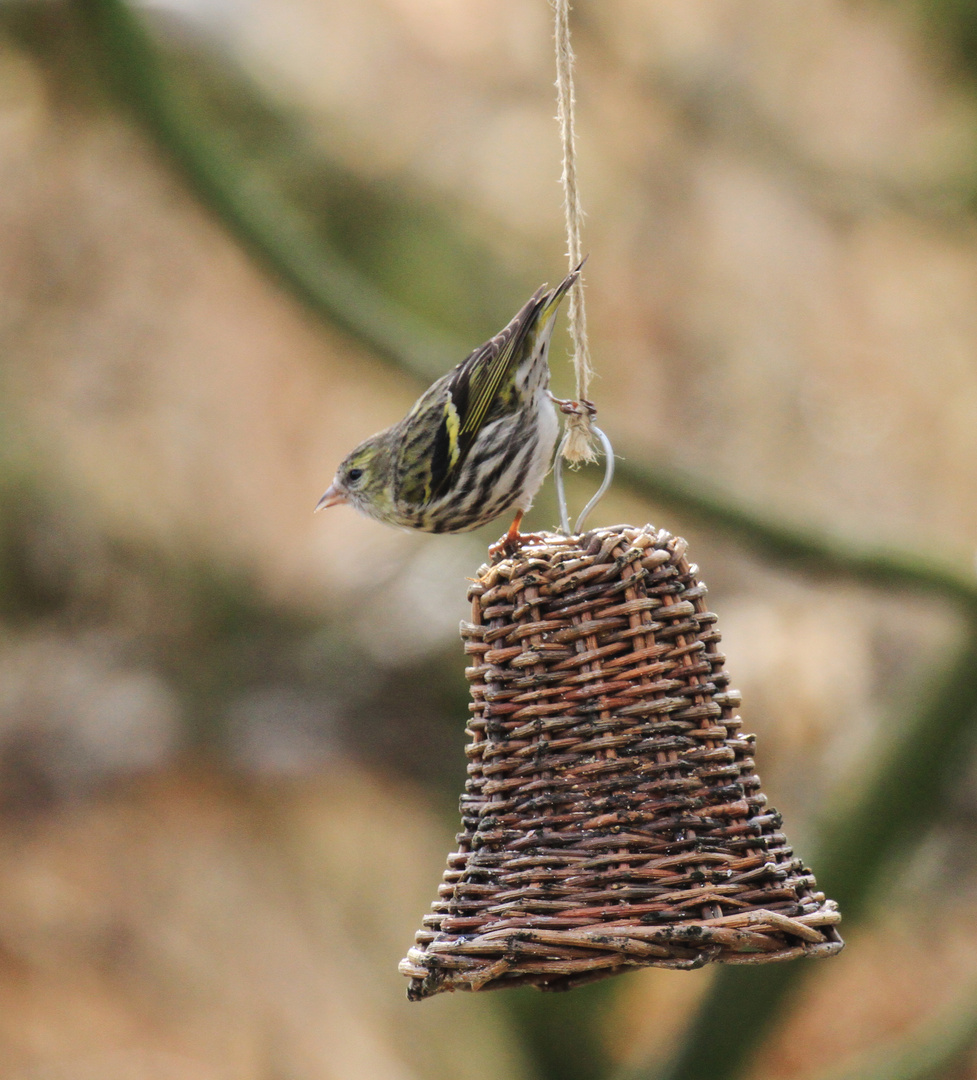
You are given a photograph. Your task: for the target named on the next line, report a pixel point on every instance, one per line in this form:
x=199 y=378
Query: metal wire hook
x=561 y=493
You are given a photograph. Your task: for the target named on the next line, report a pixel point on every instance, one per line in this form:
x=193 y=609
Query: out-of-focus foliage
x=242 y=707
x=954 y=24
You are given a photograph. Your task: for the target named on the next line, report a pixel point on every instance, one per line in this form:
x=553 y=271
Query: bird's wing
x=480 y=386
x=461 y=402
x=485 y=378
x=440 y=429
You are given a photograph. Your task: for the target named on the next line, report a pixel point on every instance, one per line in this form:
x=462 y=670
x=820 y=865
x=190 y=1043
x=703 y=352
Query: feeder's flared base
x=563 y=959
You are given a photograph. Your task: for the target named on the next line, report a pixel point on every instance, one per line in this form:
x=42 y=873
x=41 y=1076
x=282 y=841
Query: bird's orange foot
x=513 y=540
x=507 y=546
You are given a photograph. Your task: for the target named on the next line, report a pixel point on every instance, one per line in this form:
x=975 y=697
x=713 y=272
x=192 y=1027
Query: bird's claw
x=503 y=548
x=574 y=408
x=509 y=545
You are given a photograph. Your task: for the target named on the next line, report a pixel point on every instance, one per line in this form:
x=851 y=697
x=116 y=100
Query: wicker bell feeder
x=612 y=816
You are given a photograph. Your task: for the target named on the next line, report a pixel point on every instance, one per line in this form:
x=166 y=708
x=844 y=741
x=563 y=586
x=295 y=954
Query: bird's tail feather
x=551 y=300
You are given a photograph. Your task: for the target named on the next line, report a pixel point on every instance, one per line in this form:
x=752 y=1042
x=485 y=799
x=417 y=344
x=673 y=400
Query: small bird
x=478 y=442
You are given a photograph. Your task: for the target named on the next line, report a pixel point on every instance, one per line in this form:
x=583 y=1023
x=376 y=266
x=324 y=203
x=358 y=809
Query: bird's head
x=364 y=479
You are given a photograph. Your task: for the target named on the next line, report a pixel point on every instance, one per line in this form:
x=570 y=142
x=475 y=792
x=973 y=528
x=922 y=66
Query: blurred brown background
x=231 y=734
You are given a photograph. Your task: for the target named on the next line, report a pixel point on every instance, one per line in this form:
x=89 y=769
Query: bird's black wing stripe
x=475 y=384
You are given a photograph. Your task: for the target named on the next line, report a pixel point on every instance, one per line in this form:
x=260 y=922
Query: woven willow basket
x=612 y=815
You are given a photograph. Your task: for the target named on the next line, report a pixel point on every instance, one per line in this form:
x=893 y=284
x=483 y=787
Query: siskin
x=476 y=443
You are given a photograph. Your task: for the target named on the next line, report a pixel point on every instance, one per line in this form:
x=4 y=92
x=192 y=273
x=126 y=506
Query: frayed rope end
x=578 y=443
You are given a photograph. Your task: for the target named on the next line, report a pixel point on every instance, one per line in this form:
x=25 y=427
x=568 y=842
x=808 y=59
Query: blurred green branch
x=917 y=764
x=800 y=546
x=266 y=224
x=953 y=24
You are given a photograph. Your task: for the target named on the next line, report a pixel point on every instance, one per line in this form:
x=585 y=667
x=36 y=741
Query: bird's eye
x=353 y=475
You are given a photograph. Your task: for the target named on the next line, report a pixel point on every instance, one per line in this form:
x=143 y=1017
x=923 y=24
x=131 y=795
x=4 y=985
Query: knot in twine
x=578 y=443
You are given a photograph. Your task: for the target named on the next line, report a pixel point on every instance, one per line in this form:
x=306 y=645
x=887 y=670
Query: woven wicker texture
x=612 y=815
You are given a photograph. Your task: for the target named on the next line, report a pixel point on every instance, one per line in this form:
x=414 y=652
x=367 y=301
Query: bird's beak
x=333 y=496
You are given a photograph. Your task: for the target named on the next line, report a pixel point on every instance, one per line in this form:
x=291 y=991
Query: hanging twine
x=578 y=447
